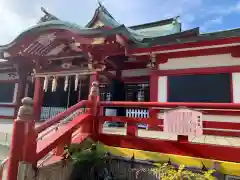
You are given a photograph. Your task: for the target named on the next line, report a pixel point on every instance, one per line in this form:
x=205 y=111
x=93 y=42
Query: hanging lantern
x=66 y=83
x=54 y=84
x=45 y=84
x=76 y=82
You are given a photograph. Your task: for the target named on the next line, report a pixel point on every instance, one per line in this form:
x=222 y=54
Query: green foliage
x=96 y=157
x=90 y=155
x=169 y=172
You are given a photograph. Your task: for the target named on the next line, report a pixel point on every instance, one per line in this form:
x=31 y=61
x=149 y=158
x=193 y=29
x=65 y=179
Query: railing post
x=94 y=98
x=20 y=129
x=152 y=119
x=30 y=146
x=132 y=129
x=182 y=139
x=94 y=106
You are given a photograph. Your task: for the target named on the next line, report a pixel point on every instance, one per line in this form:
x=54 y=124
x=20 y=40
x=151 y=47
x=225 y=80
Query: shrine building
x=55 y=62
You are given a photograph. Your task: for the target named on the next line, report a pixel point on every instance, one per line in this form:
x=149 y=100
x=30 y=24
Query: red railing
x=2 y=166
x=60 y=116
x=92 y=125
x=25 y=147
x=182 y=146
x=170 y=105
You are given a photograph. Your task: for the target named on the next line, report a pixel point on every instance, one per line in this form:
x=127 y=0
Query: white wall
x=200 y=62
x=7 y=111
x=162 y=89
x=236 y=87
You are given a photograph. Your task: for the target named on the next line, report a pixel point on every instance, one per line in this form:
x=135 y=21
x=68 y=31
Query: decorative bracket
x=152 y=62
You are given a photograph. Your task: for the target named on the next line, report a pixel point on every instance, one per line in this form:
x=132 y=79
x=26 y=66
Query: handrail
x=60 y=116
x=170 y=105
x=44 y=148
x=65 y=120
x=75 y=110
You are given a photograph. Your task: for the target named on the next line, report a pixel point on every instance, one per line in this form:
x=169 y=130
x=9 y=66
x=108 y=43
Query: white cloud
x=211 y=22
x=14 y=20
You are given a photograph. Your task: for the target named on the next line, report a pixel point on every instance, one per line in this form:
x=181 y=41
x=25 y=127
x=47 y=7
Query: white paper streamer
x=66 y=83
x=76 y=82
x=45 y=84
x=54 y=84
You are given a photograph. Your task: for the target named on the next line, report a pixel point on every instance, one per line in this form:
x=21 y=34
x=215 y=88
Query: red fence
x=91 y=124
x=24 y=145
x=180 y=147
x=220 y=128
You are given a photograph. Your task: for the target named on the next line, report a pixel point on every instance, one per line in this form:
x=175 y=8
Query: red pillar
x=16 y=150
x=38 y=98
x=153 y=83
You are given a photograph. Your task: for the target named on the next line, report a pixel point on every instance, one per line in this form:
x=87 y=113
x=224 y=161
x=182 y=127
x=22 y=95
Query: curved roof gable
x=103 y=17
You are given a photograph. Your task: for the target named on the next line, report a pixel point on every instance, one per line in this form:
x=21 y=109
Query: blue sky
x=209 y=15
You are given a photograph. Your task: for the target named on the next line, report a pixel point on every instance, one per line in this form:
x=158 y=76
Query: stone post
x=94 y=98
x=94 y=107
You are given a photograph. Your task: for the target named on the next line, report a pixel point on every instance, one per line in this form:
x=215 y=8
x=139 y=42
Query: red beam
x=207 y=70
x=224 y=153
x=221 y=133
x=187 y=45
x=158 y=122
x=170 y=105
x=157 y=125
x=200 y=52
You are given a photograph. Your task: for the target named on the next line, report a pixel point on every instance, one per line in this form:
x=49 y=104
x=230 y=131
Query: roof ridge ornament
x=47 y=16
x=102 y=8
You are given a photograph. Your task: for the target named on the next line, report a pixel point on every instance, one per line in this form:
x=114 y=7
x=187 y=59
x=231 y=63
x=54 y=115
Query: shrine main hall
x=55 y=62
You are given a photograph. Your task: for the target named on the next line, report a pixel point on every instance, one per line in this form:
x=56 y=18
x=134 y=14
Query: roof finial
x=47 y=16
x=44 y=10
x=99 y=3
